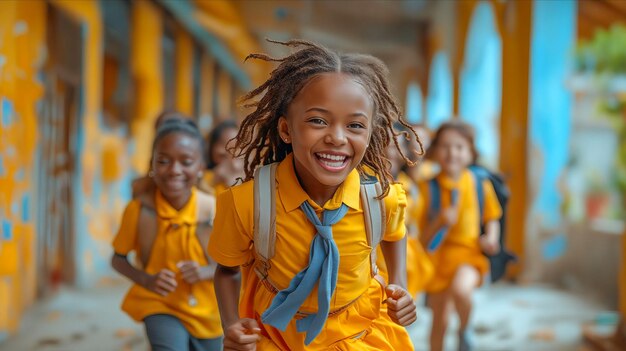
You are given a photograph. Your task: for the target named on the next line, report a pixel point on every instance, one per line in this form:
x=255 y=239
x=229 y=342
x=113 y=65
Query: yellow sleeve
x=230 y=243
x=126 y=239
x=492 y=210
x=395 y=208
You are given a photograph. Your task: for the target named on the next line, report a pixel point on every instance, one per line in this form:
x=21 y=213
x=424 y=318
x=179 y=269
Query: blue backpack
x=499 y=261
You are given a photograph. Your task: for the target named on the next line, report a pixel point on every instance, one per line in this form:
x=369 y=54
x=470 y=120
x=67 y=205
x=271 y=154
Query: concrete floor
x=507 y=318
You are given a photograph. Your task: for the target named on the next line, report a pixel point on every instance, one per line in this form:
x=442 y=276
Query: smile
x=332 y=162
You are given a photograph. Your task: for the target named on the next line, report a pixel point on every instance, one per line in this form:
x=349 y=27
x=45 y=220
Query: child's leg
x=166 y=333
x=465 y=280
x=441 y=305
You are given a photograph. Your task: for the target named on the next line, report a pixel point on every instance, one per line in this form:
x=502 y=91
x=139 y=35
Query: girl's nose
x=336 y=136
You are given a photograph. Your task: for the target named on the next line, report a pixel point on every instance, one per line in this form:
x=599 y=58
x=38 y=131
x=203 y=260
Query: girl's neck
x=319 y=193
x=453 y=175
x=179 y=201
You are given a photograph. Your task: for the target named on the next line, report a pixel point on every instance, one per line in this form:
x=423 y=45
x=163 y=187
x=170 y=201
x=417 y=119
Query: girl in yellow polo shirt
x=459 y=261
x=168 y=230
x=324 y=117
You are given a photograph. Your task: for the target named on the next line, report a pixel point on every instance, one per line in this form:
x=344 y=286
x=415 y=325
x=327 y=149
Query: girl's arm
x=400 y=305
x=395 y=259
x=447 y=217
x=490 y=241
x=227 y=285
x=161 y=283
x=239 y=333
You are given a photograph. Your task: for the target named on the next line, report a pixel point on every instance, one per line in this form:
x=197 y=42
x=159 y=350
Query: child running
x=322 y=118
x=450 y=229
x=168 y=229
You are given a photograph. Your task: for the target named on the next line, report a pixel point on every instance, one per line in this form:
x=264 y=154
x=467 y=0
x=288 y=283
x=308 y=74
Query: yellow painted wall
x=108 y=156
x=21 y=38
x=184 y=72
x=147 y=27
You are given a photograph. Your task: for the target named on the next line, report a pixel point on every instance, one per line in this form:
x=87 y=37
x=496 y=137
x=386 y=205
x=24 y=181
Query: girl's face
x=177 y=164
x=218 y=151
x=453 y=152
x=328 y=124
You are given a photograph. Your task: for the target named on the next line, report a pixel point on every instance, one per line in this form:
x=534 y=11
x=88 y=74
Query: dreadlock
x=258 y=141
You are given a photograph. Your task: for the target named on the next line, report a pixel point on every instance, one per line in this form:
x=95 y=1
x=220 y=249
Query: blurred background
x=542 y=81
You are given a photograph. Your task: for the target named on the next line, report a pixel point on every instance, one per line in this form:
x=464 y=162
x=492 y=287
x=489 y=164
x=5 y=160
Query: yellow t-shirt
x=175 y=241
x=294 y=232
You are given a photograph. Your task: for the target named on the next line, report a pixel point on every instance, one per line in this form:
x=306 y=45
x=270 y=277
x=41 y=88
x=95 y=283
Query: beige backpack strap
x=205 y=215
x=374 y=213
x=264 y=216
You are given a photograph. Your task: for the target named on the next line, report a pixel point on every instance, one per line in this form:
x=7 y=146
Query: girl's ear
x=283 y=130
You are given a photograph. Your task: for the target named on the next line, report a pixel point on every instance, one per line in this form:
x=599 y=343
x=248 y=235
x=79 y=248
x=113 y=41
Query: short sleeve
x=492 y=210
x=395 y=208
x=230 y=243
x=126 y=239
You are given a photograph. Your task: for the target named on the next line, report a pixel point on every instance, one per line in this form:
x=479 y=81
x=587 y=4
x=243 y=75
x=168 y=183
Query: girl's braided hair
x=258 y=141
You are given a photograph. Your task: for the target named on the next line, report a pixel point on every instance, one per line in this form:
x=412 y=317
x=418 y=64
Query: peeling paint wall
x=107 y=156
x=21 y=55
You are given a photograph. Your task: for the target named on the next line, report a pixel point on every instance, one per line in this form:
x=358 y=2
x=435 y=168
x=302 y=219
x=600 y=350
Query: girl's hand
x=192 y=272
x=162 y=283
x=449 y=216
x=242 y=335
x=400 y=305
x=489 y=244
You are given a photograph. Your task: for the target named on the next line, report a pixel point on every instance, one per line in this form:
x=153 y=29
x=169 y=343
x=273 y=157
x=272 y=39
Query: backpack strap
x=435 y=198
x=264 y=216
x=479 y=177
x=374 y=213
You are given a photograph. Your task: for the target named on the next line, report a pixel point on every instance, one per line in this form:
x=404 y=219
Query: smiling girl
x=324 y=118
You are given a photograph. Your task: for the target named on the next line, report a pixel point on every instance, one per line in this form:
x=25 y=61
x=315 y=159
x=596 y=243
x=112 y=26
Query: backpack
x=499 y=261
x=265 y=218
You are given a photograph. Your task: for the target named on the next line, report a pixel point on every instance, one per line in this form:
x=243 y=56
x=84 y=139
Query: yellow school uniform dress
x=360 y=325
x=419 y=268
x=461 y=244
x=176 y=241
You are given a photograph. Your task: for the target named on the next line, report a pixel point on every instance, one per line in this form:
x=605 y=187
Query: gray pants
x=167 y=333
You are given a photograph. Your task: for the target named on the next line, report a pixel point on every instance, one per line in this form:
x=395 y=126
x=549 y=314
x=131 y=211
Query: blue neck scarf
x=322 y=269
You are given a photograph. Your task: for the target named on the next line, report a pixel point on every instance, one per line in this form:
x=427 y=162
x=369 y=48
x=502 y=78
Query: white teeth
x=333 y=157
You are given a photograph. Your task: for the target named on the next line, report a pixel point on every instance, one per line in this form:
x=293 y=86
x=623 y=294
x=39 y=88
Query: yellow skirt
x=364 y=325
x=447 y=260
x=419 y=268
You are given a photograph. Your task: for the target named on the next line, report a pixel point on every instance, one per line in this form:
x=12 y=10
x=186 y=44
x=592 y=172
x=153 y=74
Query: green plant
x=605 y=53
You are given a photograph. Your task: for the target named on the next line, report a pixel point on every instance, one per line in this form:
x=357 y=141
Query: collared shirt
x=235 y=220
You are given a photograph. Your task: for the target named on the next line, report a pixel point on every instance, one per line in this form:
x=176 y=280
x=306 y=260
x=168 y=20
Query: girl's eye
x=188 y=162
x=162 y=161
x=356 y=125
x=316 y=120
